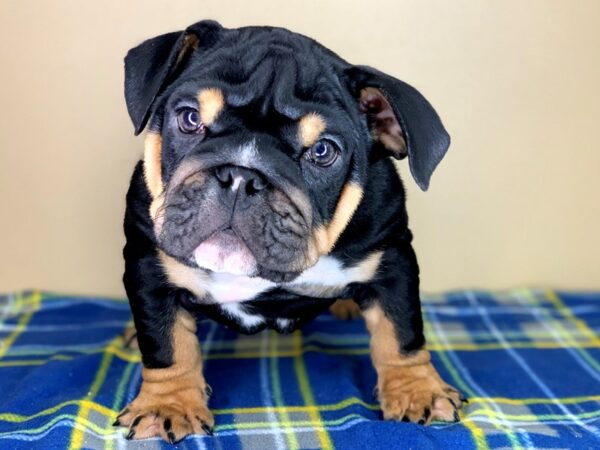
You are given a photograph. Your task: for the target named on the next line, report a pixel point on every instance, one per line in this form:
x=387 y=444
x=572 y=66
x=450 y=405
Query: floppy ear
x=401 y=120
x=154 y=63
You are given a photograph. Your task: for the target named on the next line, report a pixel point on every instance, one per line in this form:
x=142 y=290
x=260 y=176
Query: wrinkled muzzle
x=239 y=211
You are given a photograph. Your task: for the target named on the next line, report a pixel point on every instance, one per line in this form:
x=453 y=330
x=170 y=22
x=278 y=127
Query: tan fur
x=211 y=102
x=348 y=202
x=384 y=125
x=157 y=213
x=176 y=393
x=345 y=309
x=408 y=385
x=190 y=43
x=152 y=163
x=370 y=265
x=310 y=128
x=391 y=142
x=183 y=276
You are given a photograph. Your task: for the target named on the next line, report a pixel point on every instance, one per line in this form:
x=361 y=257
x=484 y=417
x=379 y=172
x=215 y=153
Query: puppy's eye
x=188 y=120
x=323 y=153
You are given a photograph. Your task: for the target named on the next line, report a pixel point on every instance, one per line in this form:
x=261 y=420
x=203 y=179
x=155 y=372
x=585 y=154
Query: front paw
x=170 y=415
x=417 y=394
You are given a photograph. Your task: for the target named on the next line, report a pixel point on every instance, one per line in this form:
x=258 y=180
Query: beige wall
x=516 y=201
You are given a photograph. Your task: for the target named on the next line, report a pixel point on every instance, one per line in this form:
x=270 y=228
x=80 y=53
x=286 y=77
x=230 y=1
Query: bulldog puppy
x=265 y=193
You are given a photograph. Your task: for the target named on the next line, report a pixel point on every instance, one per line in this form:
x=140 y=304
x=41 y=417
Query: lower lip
x=224 y=252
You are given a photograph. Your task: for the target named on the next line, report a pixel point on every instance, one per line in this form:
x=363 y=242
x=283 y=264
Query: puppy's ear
x=153 y=64
x=401 y=120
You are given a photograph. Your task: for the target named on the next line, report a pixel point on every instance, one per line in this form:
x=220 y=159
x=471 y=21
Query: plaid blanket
x=528 y=360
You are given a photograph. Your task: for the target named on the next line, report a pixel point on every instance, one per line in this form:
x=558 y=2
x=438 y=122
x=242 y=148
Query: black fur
x=270 y=78
x=153 y=302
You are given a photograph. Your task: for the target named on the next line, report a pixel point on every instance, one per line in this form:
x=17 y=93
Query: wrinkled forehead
x=274 y=72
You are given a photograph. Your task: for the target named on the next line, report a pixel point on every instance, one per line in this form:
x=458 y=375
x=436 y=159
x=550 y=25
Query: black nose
x=240 y=179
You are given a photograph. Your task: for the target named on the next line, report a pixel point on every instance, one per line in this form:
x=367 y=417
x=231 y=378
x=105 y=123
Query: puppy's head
x=259 y=142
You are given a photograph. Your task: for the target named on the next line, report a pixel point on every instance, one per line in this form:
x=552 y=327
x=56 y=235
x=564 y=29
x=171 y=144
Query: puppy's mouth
x=226 y=252
x=234 y=222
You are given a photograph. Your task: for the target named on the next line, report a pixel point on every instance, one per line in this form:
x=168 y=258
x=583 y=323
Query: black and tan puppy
x=266 y=192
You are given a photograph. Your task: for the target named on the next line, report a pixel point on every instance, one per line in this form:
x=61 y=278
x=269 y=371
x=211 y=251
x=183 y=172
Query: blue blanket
x=528 y=360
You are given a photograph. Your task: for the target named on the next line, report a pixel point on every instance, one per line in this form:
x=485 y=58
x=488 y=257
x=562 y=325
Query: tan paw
x=417 y=394
x=172 y=415
x=345 y=309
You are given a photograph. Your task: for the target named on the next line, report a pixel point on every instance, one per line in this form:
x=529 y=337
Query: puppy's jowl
x=266 y=193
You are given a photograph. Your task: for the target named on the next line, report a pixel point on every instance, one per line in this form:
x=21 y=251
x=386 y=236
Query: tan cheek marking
x=156 y=213
x=183 y=276
x=152 y=163
x=327 y=236
x=211 y=103
x=310 y=128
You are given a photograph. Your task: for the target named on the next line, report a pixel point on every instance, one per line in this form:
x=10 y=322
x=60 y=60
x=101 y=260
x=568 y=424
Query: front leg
x=172 y=401
x=409 y=388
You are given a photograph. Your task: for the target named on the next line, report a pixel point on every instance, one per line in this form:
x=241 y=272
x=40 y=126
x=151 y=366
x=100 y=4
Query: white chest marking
x=329 y=272
x=226 y=288
x=246 y=320
x=326 y=276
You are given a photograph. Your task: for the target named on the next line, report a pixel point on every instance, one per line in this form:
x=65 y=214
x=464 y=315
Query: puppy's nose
x=239 y=178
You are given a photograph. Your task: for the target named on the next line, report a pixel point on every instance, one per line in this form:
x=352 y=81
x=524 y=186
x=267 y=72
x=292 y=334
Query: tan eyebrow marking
x=211 y=103
x=310 y=128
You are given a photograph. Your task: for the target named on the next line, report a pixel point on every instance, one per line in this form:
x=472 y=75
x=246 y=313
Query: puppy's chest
x=326 y=279
x=253 y=303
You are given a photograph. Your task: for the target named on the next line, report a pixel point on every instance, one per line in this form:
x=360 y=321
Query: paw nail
x=452 y=402
x=464 y=400
x=208 y=390
x=405 y=419
x=171 y=437
x=130 y=435
x=456 y=417
x=136 y=421
x=116 y=423
x=208 y=430
x=421 y=421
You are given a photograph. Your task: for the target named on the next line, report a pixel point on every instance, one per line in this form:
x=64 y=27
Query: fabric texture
x=528 y=360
